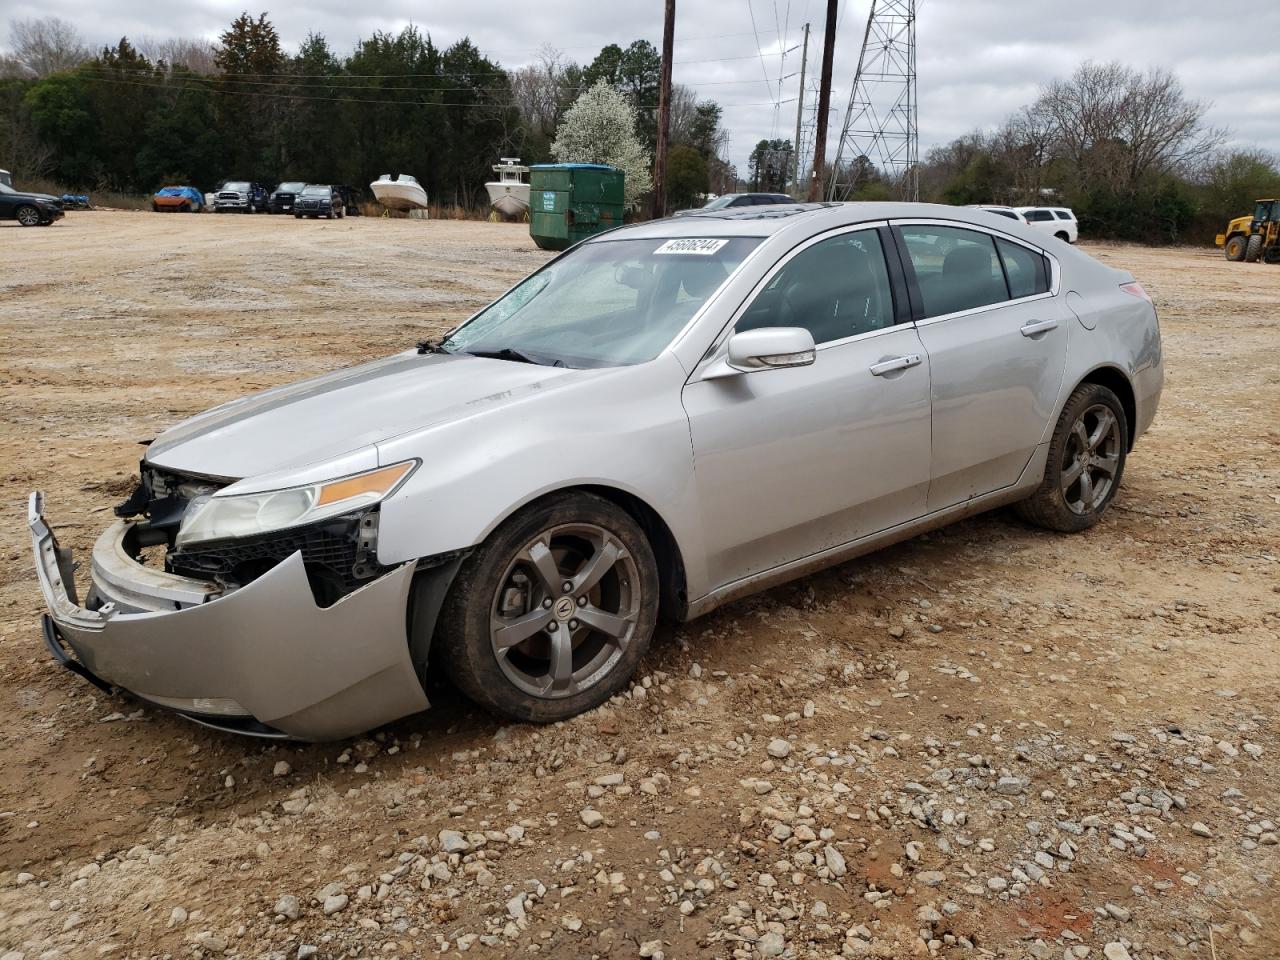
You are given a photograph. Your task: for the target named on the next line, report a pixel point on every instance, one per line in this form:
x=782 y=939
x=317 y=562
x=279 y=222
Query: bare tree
x=44 y=46
x=1116 y=126
x=542 y=91
x=196 y=55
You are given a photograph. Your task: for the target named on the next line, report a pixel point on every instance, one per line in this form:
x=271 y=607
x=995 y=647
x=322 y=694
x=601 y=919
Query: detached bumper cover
x=264 y=651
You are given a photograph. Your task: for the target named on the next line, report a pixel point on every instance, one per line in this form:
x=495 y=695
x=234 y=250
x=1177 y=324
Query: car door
x=996 y=336
x=791 y=462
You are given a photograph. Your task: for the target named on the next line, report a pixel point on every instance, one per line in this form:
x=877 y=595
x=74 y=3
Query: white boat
x=399 y=191
x=509 y=194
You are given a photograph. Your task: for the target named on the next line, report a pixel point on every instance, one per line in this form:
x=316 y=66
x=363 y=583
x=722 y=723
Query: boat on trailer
x=509 y=194
x=399 y=191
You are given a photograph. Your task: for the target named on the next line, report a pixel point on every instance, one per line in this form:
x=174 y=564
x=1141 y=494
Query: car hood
x=35 y=196
x=324 y=417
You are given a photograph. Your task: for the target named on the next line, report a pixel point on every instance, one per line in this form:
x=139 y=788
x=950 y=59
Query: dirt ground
x=989 y=741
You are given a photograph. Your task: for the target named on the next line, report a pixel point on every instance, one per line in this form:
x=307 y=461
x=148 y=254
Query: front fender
x=627 y=431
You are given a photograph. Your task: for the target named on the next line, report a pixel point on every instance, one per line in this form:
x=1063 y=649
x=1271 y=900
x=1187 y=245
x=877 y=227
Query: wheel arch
x=672 y=573
x=1115 y=380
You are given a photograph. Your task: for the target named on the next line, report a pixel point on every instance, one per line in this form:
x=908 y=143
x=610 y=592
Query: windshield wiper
x=431 y=346
x=506 y=353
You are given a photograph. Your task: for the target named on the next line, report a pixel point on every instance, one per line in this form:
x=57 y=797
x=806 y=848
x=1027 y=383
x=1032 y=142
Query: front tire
x=1254 y=250
x=28 y=216
x=1085 y=465
x=551 y=615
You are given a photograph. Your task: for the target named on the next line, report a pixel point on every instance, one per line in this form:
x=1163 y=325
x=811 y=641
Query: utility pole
x=824 y=104
x=658 y=207
x=795 y=144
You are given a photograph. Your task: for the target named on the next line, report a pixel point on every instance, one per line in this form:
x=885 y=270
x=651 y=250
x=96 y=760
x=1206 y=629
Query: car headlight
x=245 y=515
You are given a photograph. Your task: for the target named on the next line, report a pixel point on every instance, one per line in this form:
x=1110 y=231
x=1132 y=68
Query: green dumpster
x=569 y=202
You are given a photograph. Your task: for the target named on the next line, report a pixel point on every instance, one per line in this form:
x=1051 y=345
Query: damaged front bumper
x=262 y=659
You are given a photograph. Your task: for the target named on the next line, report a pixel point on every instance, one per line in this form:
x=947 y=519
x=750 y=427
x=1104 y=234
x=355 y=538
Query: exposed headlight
x=245 y=515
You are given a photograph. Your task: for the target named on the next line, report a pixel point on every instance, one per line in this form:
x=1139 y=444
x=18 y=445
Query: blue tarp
x=191 y=193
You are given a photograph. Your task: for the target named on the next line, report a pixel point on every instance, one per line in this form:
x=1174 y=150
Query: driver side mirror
x=767 y=348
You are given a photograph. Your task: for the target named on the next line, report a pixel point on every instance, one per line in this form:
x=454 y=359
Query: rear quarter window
x=1038 y=216
x=1064 y=215
x=1025 y=269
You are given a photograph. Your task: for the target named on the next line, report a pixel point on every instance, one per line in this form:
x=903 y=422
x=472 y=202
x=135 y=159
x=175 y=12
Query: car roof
x=764 y=221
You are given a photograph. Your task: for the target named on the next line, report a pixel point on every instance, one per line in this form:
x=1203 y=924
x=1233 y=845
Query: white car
x=1059 y=221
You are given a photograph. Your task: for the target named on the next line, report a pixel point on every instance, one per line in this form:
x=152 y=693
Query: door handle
x=897 y=363
x=1031 y=328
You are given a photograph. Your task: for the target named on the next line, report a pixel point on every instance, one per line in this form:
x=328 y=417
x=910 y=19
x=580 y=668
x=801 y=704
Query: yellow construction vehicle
x=1255 y=237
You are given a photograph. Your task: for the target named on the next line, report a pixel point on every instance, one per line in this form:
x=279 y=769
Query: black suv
x=240 y=196
x=29 y=209
x=318 y=200
x=283 y=197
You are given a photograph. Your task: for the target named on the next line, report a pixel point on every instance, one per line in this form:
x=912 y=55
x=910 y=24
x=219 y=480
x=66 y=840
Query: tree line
x=135 y=116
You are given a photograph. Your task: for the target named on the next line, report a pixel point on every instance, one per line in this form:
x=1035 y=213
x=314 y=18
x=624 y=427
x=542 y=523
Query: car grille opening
x=335 y=555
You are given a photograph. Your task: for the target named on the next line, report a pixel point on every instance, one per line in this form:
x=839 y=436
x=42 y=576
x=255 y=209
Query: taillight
x=1134 y=289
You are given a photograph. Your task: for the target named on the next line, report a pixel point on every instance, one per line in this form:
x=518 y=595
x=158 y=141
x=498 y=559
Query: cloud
x=978 y=60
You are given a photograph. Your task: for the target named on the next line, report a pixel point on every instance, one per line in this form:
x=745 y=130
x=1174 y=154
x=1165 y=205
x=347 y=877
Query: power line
x=171 y=84
x=759 y=51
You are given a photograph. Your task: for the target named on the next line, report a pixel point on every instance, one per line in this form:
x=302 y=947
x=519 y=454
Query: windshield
x=171 y=192
x=608 y=303
x=5 y=188
x=316 y=192
x=240 y=186
x=290 y=187
x=719 y=203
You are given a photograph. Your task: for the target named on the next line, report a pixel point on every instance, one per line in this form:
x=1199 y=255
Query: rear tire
x=517 y=642
x=1063 y=236
x=1085 y=465
x=1235 y=248
x=1254 y=250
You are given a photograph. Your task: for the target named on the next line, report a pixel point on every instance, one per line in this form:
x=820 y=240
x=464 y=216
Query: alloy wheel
x=565 y=610
x=28 y=216
x=1091 y=459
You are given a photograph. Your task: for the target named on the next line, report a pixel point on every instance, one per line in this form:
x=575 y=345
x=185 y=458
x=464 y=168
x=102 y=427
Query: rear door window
x=1023 y=268
x=956 y=269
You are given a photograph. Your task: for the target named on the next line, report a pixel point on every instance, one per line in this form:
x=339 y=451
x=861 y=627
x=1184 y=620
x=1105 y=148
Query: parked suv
x=240 y=196
x=318 y=200
x=1058 y=221
x=283 y=197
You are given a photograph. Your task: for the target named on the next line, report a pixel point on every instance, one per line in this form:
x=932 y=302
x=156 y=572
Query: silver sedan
x=661 y=419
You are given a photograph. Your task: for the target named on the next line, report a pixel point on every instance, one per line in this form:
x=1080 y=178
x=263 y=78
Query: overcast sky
x=978 y=60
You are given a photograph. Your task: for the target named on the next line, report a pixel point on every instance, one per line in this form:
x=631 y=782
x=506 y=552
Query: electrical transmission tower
x=880 y=136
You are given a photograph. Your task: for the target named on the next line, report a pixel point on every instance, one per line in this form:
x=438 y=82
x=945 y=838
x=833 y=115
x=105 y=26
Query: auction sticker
x=695 y=245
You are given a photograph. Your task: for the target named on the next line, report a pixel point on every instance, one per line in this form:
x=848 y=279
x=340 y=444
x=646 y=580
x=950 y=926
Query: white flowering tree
x=600 y=127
